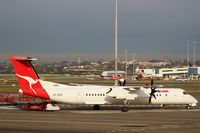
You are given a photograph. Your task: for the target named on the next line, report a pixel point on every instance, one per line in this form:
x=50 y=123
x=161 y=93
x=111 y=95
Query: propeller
x=153 y=90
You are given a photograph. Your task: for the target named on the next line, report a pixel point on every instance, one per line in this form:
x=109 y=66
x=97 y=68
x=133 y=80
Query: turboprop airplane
x=144 y=75
x=96 y=95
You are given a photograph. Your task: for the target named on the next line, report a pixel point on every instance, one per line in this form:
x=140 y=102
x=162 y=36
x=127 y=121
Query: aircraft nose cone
x=195 y=100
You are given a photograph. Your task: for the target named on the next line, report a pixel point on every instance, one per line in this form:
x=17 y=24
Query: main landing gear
x=125 y=109
x=188 y=107
x=96 y=107
x=162 y=106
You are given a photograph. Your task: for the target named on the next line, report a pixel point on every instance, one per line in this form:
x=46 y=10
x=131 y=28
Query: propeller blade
x=154 y=96
x=151 y=82
x=153 y=90
x=150 y=99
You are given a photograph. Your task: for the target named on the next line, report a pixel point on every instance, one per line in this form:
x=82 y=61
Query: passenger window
x=86 y=94
x=92 y=94
x=165 y=94
x=89 y=94
x=100 y=94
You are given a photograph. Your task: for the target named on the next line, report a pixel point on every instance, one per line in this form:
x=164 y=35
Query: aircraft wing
x=125 y=87
x=76 y=84
x=145 y=86
x=131 y=89
x=123 y=93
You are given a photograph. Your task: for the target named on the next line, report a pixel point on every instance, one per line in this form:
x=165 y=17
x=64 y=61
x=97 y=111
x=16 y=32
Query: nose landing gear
x=125 y=108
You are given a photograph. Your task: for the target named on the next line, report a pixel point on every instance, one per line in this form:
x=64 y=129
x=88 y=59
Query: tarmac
x=108 y=120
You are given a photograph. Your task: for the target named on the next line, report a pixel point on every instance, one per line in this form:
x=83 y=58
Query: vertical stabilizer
x=27 y=77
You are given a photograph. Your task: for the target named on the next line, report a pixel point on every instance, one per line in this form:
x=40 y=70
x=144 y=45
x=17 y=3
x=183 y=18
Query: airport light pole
x=194 y=43
x=116 y=39
x=188 y=54
x=126 y=52
x=133 y=65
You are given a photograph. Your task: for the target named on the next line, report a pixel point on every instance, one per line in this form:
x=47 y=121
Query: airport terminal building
x=187 y=73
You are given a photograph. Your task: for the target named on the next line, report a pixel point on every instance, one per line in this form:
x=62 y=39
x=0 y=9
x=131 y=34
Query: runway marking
x=131 y=111
x=70 y=122
x=4 y=114
x=128 y=123
x=137 y=127
x=8 y=107
x=154 y=127
x=4 y=131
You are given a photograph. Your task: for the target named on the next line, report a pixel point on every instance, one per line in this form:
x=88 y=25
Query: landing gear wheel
x=188 y=107
x=44 y=108
x=162 y=106
x=96 y=107
x=125 y=109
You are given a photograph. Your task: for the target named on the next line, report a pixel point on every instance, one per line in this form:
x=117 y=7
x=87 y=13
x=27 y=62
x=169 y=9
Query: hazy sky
x=150 y=28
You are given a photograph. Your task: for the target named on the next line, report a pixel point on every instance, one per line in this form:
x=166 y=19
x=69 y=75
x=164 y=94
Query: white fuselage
x=115 y=95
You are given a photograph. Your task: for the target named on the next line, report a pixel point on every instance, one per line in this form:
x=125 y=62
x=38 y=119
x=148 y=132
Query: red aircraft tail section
x=139 y=74
x=27 y=77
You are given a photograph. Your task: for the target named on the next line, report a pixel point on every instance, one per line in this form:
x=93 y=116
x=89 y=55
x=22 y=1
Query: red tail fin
x=139 y=74
x=27 y=77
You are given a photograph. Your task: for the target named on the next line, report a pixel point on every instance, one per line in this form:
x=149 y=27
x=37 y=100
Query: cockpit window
x=185 y=93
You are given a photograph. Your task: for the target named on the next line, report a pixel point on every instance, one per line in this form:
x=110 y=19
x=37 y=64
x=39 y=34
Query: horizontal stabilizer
x=22 y=58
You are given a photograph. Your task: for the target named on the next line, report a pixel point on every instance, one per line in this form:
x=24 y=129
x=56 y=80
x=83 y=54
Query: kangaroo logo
x=30 y=81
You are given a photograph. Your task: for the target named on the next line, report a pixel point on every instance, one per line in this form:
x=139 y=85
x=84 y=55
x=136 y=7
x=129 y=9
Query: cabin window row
x=160 y=94
x=95 y=94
